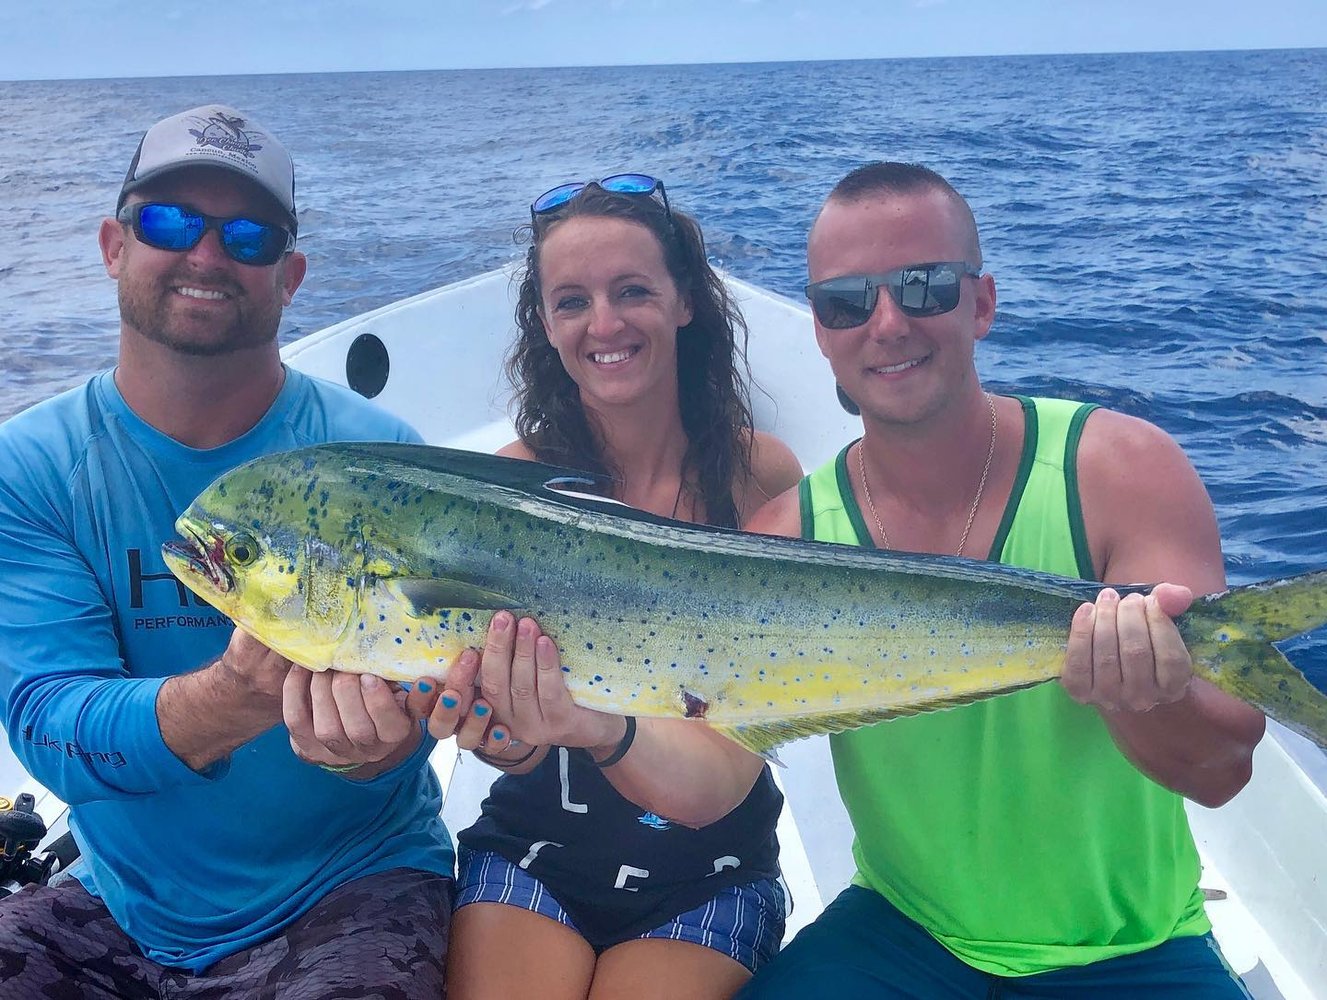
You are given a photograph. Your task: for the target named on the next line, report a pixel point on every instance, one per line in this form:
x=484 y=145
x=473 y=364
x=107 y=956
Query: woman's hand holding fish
x=520 y=675
x=512 y=697
x=351 y=721
x=1126 y=654
x=510 y=705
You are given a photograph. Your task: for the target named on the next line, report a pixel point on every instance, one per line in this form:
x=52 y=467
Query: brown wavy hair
x=712 y=368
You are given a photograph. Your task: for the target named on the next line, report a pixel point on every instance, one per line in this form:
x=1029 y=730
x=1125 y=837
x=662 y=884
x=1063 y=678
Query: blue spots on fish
x=653 y=822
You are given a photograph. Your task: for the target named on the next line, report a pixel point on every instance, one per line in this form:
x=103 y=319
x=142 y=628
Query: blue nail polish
x=448 y=701
x=498 y=734
x=481 y=710
x=425 y=686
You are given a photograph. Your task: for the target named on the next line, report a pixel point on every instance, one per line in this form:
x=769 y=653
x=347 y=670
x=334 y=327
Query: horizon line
x=657 y=65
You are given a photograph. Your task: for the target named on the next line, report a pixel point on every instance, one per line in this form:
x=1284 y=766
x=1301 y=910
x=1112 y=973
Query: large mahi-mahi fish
x=390 y=559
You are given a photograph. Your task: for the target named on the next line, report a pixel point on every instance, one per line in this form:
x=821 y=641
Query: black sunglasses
x=641 y=184
x=178 y=228
x=918 y=290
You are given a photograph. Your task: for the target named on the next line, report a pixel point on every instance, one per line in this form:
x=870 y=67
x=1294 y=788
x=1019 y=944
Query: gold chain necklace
x=976 y=501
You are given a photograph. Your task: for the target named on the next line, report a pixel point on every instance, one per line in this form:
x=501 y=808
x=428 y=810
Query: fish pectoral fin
x=425 y=597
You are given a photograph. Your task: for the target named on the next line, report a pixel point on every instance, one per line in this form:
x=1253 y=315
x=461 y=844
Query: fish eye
x=242 y=549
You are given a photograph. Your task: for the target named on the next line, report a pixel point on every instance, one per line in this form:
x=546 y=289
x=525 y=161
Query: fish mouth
x=202 y=559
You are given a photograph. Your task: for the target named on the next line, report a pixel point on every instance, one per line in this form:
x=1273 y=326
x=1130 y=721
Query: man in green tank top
x=1036 y=844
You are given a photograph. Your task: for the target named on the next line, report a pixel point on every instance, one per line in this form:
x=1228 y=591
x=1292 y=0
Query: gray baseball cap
x=214 y=136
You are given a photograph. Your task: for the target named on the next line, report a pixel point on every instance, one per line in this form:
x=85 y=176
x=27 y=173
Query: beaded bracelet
x=622 y=747
x=340 y=768
x=500 y=762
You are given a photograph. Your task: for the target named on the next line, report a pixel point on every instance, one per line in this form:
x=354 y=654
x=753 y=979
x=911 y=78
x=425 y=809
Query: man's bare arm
x=1148 y=519
x=208 y=713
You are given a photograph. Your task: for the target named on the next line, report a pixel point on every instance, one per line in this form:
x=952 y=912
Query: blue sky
x=59 y=39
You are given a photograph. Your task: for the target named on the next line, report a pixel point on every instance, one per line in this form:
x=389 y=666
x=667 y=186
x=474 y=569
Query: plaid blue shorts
x=744 y=922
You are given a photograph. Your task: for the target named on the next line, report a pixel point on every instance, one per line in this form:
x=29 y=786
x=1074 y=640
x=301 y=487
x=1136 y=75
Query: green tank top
x=1013 y=829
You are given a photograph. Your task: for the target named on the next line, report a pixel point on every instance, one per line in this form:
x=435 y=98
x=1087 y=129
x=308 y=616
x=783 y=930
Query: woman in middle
x=618 y=857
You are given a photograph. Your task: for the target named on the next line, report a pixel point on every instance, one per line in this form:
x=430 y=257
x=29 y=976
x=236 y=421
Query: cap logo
x=227 y=134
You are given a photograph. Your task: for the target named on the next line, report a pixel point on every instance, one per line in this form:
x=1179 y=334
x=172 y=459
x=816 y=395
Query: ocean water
x=1157 y=223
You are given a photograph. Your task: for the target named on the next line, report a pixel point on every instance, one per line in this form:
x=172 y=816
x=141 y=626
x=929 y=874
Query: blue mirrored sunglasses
x=642 y=184
x=179 y=229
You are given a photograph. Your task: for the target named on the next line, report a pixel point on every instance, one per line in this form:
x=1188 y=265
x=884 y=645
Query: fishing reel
x=21 y=833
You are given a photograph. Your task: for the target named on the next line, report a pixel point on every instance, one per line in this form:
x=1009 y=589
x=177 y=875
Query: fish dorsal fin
x=566 y=487
x=536 y=478
x=763 y=737
x=425 y=597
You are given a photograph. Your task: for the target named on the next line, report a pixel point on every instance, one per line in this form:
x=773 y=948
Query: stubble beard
x=148 y=312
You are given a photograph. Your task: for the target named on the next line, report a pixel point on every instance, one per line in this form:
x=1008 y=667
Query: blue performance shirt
x=193 y=866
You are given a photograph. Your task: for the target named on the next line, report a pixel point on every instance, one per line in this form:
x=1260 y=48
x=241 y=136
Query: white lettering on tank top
x=727 y=861
x=564 y=765
x=626 y=872
x=535 y=848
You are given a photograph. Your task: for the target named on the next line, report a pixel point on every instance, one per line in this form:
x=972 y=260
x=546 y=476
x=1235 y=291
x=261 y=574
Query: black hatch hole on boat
x=367 y=365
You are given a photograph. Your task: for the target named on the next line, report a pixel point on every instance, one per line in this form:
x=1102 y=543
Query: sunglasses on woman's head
x=179 y=229
x=918 y=290
x=642 y=184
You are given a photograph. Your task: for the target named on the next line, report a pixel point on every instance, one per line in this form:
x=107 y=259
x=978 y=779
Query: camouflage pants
x=381 y=937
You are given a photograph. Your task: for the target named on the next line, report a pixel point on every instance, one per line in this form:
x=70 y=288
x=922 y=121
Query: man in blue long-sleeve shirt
x=216 y=858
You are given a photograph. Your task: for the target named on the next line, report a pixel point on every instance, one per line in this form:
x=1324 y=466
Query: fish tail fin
x=1230 y=636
